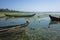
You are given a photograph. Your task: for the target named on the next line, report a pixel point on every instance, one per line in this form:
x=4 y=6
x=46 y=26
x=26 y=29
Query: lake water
x=40 y=28
x=11 y=21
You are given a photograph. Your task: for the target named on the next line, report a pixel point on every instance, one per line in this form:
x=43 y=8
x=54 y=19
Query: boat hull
x=8 y=15
x=18 y=28
x=54 y=18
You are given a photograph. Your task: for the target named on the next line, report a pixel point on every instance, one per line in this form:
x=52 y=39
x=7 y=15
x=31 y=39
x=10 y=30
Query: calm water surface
x=40 y=28
x=11 y=21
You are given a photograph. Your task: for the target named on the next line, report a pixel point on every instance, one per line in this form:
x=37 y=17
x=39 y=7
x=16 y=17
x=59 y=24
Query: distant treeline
x=7 y=10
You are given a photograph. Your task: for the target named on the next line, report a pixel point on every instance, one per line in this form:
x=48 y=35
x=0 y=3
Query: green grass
x=2 y=13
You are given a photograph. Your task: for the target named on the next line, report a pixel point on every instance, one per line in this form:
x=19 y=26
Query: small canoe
x=10 y=15
x=54 y=18
x=14 y=28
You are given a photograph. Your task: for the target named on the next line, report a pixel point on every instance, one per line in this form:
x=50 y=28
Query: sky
x=31 y=5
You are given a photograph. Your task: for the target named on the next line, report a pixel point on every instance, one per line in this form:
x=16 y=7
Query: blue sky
x=31 y=5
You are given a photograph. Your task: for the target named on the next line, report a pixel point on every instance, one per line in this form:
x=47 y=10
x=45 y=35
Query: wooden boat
x=13 y=28
x=54 y=18
x=9 y=15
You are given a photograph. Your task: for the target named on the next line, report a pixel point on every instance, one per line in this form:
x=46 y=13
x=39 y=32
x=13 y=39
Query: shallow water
x=40 y=28
x=11 y=21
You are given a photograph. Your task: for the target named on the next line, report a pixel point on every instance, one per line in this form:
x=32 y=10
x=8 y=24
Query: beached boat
x=13 y=28
x=10 y=15
x=54 y=18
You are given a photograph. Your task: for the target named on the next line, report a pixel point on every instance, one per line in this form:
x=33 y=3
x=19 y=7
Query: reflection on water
x=11 y=21
x=41 y=28
x=54 y=24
